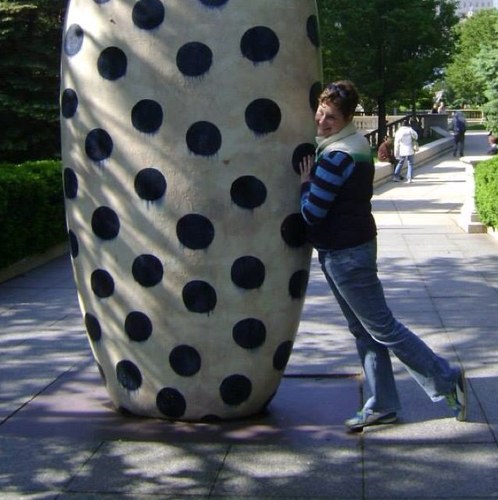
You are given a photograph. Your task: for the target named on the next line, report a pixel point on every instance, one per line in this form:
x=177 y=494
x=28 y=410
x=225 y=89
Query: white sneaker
x=366 y=418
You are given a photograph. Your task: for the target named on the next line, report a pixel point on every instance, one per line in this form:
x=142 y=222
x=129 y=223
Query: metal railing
x=423 y=123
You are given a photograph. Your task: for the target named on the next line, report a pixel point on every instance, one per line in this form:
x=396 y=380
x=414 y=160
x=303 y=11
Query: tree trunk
x=382 y=123
x=414 y=102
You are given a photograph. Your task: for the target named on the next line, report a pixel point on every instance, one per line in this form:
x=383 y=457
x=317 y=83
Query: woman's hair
x=343 y=94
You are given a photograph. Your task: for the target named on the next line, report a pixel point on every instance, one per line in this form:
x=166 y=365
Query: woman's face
x=329 y=120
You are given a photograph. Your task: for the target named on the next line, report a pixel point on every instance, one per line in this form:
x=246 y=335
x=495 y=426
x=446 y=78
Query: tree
x=485 y=67
x=462 y=80
x=30 y=40
x=389 y=48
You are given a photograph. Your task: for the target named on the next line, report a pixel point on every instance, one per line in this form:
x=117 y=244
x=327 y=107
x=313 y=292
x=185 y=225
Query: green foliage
x=389 y=48
x=485 y=65
x=486 y=191
x=465 y=85
x=31 y=209
x=30 y=40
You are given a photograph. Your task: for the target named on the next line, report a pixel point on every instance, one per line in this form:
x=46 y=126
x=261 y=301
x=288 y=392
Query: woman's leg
x=374 y=357
x=399 y=166
x=354 y=273
x=410 y=167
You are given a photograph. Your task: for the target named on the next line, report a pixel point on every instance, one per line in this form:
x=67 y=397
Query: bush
x=486 y=191
x=31 y=209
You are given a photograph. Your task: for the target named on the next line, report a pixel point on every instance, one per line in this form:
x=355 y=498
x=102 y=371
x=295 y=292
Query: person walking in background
x=441 y=108
x=459 y=127
x=336 y=192
x=404 y=139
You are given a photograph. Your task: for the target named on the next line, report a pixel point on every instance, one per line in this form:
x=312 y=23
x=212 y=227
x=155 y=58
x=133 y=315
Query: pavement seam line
x=41 y=391
x=482 y=409
x=65 y=488
x=218 y=472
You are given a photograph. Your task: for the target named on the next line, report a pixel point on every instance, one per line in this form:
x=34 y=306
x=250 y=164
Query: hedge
x=486 y=191
x=31 y=209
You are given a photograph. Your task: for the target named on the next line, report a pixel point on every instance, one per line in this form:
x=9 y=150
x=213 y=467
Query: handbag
x=415 y=145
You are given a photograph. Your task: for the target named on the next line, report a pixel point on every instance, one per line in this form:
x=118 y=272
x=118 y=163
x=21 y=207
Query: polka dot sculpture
x=183 y=124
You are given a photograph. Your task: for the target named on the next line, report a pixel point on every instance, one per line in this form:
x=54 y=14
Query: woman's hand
x=305 y=167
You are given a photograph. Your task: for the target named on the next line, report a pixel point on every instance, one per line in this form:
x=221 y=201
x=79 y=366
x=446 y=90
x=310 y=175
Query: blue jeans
x=352 y=276
x=400 y=164
x=459 y=143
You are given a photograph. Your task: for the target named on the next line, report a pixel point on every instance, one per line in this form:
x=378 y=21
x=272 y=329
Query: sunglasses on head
x=332 y=87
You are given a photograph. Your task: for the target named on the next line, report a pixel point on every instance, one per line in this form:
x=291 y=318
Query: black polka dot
x=235 y=389
x=259 y=44
x=73 y=40
x=312 y=30
x=73 y=244
x=263 y=116
x=303 y=150
x=293 y=230
x=70 y=182
x=69 y=103
x=112 y=63
x=129 y=375
x=203 y=139
x=211 y=419
x=298 y=284
x=185 y=360
x=199 y=297
x=315 y=91
x=147 y=116
x=194 y=59
x=195 y=231
x=248 y=272
x=282 y=355
x=171 y=403
x=147 y=270
x=93 y=328
x=148 y=14
x=138 y=326
x=150 y=184
x=213 y=3
x=102 y=283
x=98 y=145
x=249 y=333
x=124 y=411
x=248 y=192
x=105 y=223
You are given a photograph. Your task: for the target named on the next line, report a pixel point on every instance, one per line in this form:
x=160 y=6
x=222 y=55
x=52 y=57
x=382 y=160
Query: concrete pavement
x=60 y=437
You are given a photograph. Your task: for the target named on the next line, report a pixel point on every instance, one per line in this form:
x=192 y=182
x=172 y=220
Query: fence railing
x=423 y=123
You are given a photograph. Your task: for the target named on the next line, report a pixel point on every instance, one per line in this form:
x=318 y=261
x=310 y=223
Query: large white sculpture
x=183 y=122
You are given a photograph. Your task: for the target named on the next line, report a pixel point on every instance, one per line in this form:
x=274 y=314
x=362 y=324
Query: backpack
x=459 y=125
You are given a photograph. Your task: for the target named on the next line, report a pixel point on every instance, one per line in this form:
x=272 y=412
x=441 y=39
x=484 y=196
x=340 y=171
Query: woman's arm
x=319 y=190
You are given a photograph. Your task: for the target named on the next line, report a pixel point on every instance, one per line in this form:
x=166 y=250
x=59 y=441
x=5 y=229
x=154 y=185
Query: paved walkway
x=60 y=438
